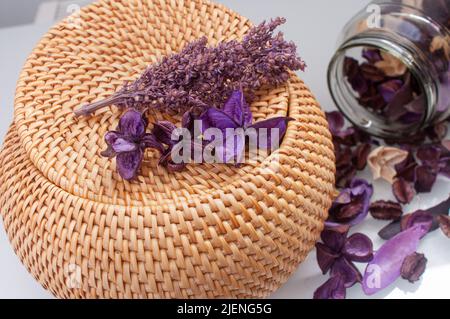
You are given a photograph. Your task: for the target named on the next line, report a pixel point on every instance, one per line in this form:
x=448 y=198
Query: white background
x=314 y=25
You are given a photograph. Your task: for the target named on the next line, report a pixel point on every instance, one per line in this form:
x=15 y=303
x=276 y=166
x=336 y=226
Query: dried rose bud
x=444 y=223
x=403 y=191
x=413 y=267
x=386 y=210
x=425 y=178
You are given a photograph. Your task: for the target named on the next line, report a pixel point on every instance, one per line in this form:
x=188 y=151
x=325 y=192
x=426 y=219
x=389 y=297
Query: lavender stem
x=91 y=108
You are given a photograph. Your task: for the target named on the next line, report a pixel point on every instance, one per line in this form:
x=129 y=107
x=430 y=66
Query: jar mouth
x=344 y=95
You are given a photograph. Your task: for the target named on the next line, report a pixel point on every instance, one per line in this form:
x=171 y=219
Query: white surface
x=314 y=25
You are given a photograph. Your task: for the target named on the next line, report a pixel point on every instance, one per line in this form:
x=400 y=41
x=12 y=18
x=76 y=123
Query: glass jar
x=390 y=75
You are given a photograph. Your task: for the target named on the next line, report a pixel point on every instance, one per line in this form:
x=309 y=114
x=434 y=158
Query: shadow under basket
x=211 y=231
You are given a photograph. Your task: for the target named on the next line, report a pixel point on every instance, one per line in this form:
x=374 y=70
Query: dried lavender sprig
x=201 y=76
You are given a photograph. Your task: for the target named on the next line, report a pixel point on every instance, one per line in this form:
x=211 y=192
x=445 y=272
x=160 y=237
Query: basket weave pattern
x=210 y=231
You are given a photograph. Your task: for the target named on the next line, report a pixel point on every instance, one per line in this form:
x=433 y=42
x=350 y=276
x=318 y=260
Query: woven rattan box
x=211 y=231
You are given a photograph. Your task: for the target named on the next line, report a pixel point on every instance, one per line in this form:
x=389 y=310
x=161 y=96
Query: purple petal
x=217 y=119
x=150 y=141
x=390 y=230
x=232 y=152
x=121 y=145
x=344 y=197
x=238 y=109
x=334 y=288
x=108 y=153
x=403 y=190
x=356 y=211
x=389 y=89
x=335 y=238
x=132 y=124
x=271 y=130
x=349 y=273
x=420 y=217
x=358 y=248
x=111 y=137
x=372 y=55
x=386 y=265
x=413 y=267
x=325 y=257
x=425 y=178
x=129 y=163
x=429 y=154
x=336 y=121
x=187 y=121
x=163 y=132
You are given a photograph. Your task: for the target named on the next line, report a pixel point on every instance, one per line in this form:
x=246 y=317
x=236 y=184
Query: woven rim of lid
x=213 y=231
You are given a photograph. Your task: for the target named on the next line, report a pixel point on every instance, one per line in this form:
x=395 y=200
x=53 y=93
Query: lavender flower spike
x=201 y=76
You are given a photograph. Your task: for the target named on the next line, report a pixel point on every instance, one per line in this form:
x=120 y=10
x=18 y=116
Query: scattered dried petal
x=390 y=230
x=414 y=219
x=386 y=265
x=333 y=288
x=444 y=224
x=325 y=257
x=429 y=154
x=349 y=273
x=425 y=178
x=358 y=248
x=335 y=238
x=356 y=210
x=413 y=267
x=386 y=210
x=403 y=191
x=446 y=144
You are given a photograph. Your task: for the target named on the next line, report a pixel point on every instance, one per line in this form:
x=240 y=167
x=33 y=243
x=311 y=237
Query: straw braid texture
x=210 y=231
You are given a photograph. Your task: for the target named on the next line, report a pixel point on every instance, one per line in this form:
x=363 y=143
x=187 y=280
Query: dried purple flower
x=413 y=267
x=429 y=154
x=201 y=76
x=426 y=176
x=128 y=143
x=386 y=210
x=358 y=248
x=337 y=254
x=235 y=115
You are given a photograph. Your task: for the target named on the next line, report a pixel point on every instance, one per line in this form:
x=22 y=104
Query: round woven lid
x=209 y=231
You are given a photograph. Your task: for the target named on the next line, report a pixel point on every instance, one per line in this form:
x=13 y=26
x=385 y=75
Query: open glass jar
x=390 y=75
